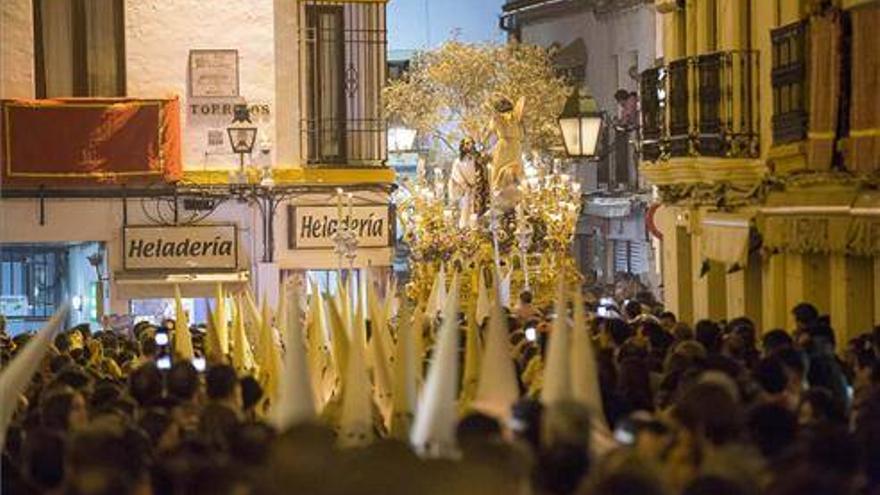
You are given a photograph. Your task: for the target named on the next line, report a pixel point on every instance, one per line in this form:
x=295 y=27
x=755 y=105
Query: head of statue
x=466 y=147
x=503 y=105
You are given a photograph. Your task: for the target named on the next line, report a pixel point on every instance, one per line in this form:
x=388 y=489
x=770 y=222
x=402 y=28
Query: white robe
x=463 y=189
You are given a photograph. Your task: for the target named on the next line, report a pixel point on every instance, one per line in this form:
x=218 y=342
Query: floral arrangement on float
x=485 y=107
x=533 y=241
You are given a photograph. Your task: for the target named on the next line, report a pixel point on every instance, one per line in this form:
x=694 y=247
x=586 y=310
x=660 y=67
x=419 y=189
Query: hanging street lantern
x=242 y=135
x=581 y=126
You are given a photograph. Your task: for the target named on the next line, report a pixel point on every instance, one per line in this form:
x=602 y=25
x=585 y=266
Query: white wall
x=158 y=37
x=605 y=36
x=16 y=49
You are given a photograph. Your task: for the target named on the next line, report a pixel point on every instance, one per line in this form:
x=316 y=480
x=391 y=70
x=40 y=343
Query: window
x=679 y=107
x=79 y=48
x=711 y=20
x=788 y=78
x=709 y=70
x=32 y=284
x=343 y=45
x=326 y=83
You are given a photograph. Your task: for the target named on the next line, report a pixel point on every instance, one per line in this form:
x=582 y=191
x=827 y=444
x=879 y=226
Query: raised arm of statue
x=519 y=108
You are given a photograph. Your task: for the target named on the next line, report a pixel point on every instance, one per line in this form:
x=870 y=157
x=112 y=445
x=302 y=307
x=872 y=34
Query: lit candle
x=339 y=203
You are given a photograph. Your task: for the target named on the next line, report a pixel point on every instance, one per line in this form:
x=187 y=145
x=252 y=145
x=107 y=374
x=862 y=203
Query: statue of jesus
x=507 y=166
x=469 y=183
x=463 y=182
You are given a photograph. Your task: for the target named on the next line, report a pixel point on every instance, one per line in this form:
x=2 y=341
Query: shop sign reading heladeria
x=313 y=227
x=190 y=247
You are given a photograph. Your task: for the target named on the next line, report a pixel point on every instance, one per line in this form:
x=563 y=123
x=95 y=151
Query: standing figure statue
x=464 y=182
x=507 y=165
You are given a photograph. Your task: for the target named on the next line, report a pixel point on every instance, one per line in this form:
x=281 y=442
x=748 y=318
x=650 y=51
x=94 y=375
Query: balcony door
x=79 y=48
x=326 y=84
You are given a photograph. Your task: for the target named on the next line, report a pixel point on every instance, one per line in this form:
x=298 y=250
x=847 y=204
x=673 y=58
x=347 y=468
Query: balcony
x=89 y=142
x=701 y=106
x=343 y=49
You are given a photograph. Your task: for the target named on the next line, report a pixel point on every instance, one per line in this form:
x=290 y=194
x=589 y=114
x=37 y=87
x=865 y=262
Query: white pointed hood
x=379 y=349
x=584 y=371
x=557 y=368
x=242 y=352
x=484 y=303
x=433 y=432
x=356 y=422
x=296 y=399
x=497 y=389
x=17 y=374
x=183 y=345
x=437 y=299
x=585 y=380
x=321 y=366
x=403 y=377
x=252 y=318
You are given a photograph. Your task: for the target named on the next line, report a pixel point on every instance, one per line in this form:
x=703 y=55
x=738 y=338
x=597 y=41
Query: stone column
x=773 y=292
x=852 y=296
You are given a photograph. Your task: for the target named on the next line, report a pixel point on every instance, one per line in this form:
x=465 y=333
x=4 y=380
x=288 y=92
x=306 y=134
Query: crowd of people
x=718 y=408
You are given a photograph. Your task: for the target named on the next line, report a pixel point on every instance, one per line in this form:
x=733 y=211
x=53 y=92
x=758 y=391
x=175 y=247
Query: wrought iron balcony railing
x=701 y=106
x=653 y=112
x=789 y=77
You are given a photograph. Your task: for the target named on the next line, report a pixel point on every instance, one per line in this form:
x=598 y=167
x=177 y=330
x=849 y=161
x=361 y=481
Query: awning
x=725 y=237
x=140 y=285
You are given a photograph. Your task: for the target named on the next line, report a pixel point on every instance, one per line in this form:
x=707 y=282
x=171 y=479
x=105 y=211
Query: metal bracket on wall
x=42 y=206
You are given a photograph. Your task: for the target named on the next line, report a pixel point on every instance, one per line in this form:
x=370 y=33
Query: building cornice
x=533 y=9
x=328 y=176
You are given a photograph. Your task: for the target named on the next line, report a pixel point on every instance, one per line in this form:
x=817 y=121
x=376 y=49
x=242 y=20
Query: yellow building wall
x=852 y=295
x=772 y=282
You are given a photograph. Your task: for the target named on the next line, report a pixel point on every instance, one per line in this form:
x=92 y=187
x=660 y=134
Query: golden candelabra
x=534 y=239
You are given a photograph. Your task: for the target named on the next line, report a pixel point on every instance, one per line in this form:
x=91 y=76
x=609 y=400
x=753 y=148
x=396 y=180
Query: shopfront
x=194 y=258
x=84 y=252
x=313 y=250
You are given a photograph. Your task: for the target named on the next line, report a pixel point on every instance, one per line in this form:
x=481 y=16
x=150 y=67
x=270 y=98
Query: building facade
x=309 y=74
x=759 y=131
x=601 y=47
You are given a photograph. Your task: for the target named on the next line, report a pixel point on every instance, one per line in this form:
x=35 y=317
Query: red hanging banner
x=82 y=141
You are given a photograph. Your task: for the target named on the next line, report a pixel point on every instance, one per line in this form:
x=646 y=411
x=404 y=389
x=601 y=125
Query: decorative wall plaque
x=213 y=73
